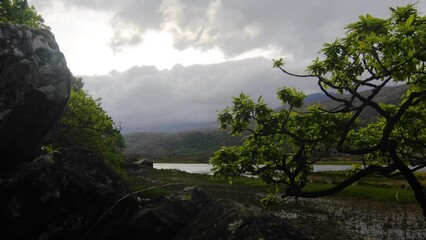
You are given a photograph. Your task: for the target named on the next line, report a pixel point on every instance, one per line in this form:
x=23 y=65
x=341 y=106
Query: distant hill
x=188 y=146
x=199 y=145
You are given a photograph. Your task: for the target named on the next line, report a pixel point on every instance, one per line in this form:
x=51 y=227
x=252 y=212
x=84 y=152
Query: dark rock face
x=164 y=218
x=34 y=88
x=225 y=219
x=192 y=214
x=64 y=196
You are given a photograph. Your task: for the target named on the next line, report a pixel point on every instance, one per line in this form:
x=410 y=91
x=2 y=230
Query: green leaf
x=278 y=63
x=409 y=21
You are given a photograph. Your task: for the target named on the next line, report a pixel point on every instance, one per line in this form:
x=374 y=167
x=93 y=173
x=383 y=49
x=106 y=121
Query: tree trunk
x=415 y=185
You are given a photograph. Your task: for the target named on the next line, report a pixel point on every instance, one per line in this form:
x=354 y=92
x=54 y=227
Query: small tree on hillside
x=282 y=145
x=19 y=12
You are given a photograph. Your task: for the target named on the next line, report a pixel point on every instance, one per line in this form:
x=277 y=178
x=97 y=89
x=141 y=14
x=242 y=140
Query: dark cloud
x=147 y=99
x=132 y=20
x=236 y=26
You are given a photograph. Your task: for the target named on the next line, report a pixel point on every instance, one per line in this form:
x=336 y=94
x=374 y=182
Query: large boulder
x=68 y=195
x=34 y=88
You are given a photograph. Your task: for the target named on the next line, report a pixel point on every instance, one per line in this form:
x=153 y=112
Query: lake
x=204 y=168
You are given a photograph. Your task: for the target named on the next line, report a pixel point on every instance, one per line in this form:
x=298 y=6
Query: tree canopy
x=281 y=146
x=19 y=12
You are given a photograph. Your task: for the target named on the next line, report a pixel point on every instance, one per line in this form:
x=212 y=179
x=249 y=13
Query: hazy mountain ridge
x=183 y=146
x=198 y=145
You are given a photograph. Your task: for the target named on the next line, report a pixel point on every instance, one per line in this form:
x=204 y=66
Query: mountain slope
x=183 y=146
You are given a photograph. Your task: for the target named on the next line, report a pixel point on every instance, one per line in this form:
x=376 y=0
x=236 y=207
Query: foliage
x=19 y=12
x=85 y=124
x=283 y=145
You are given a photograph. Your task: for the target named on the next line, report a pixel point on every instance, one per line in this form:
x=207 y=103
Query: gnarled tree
x=282 y=145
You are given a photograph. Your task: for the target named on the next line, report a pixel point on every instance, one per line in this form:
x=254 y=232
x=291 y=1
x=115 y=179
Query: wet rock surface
x=34 y=88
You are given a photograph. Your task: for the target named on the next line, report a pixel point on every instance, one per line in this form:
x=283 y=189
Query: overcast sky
x=163 y=65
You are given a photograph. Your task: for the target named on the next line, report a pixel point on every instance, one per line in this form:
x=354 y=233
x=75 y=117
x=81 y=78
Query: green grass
x=252 y=190
x=243 y=189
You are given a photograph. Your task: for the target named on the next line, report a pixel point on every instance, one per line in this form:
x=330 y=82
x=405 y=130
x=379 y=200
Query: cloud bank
x=147 y=99
x=295 y=28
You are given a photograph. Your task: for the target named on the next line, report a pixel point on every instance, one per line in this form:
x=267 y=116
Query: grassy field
x=251 y=190
x=374 y=208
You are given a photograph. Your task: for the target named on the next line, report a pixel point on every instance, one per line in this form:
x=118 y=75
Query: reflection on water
x=204 y=168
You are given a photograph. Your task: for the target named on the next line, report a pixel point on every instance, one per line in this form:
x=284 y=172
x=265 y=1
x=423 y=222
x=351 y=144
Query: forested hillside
x=182 y=146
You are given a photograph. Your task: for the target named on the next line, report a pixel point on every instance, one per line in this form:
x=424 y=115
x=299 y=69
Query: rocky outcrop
x=34 y=88
x=66 y=195
x=226 y=219
x=192 y=214
x=164 y=218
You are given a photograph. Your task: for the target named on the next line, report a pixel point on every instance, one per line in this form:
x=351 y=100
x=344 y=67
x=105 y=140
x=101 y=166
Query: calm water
x=204 y=168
